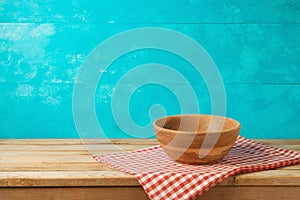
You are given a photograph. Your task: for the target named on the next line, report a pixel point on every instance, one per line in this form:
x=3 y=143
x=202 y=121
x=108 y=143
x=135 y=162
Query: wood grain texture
x=267 y=178
x=137 y=193
x=61 y=168
x=63 y=162
x=252 y=193
x=77 y=193
x=175 y=132
x=130 y=141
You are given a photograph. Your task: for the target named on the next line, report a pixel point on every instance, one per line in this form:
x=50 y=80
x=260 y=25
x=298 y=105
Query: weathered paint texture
x=255 y=44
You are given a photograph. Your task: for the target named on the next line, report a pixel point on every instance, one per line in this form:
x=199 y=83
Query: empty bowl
x=196 y=139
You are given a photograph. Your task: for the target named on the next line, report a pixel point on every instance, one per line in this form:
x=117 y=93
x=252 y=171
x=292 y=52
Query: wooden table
x=64 y=169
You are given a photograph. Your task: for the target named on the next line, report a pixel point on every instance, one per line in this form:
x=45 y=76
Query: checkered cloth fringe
x=163 y=178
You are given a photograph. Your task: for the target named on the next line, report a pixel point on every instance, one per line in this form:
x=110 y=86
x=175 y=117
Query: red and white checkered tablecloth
x=163 y=178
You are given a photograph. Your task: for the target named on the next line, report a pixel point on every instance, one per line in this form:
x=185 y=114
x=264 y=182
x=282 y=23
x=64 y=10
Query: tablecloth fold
x=162 y=178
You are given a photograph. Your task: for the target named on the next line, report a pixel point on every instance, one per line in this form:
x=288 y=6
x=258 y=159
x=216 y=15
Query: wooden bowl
x=196 y=139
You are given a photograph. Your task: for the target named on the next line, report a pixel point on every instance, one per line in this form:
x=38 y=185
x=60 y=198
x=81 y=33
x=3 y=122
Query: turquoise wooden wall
x=255 y=44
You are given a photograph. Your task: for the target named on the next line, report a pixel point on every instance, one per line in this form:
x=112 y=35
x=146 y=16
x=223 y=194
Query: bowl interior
x=197 y=123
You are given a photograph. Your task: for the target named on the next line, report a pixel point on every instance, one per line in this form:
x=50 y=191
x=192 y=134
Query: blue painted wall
x=255 y=44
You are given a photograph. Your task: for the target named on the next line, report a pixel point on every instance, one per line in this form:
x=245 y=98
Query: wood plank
x=57 y=166
x=269 y=178
x=265 y=178
x=290 y=167
x=75 y=193
x=154 y=11
x=278 y=141
x=92 y=147
x=230 y=57
x=45 y=158
x=252 y=193
x=73 y=178
x=285 y=142
x=249 y=58
x=76 y=141
x=293 y=147
x=45 y=153
x=99 y=147
x=63 y=179
x=35 y=164
x=137 y=193
x=261 y=125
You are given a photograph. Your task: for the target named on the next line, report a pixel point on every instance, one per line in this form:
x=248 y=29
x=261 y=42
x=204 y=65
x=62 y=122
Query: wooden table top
x=67 y=163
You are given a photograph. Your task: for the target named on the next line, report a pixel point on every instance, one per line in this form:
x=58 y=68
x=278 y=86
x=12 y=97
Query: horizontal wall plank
x=50 y=53
x=258 y=64
x=151 y=11
x=251 y=104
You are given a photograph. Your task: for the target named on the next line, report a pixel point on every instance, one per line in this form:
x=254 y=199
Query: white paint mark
x=32 y=73
x=75 y=59
x=105 y=92
x=55 y=80
x=43 y=30
x=11 y=32
x=24 y=90
x=52 y=101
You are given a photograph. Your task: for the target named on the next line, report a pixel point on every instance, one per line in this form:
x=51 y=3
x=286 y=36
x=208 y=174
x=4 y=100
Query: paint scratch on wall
x=25 y=46
x=232 y=13
x=43 y=30
x=24 y=90
x=50 y=93
x=75 y=59
x=52 y=101
x=104 y=93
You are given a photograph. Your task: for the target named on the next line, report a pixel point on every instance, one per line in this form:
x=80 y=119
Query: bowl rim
x=236 y=127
